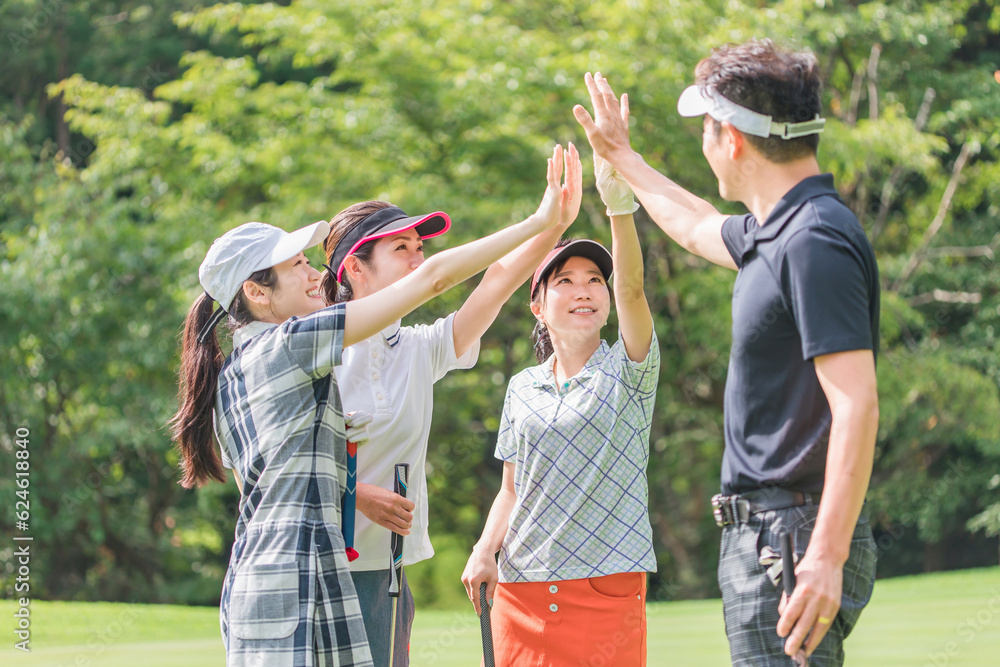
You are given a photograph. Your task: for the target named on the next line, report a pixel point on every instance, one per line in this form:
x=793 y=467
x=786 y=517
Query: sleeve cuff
x=818 y=349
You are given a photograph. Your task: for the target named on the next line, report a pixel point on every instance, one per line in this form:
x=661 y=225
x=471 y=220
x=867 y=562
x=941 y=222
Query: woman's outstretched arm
x=441 y=272
x=480 y=310
x=634 y=319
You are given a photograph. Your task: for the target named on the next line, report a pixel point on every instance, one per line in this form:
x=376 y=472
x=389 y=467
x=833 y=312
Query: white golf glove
x=357 y=427
x=614 y=190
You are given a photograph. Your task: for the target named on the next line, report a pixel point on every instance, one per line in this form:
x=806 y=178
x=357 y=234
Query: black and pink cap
x=592 y=250
x=382 y=223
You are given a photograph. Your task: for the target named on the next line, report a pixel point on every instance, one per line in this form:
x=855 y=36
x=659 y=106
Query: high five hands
x=608 y=136
x=607 y=130
x=561 y=202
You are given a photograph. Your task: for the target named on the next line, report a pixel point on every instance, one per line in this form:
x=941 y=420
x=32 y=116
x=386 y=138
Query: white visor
x=699 y=100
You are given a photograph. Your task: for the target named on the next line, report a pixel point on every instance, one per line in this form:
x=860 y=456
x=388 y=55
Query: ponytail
x=540 y=335
x=334 y=292
x=201 y=363
x=543 y=342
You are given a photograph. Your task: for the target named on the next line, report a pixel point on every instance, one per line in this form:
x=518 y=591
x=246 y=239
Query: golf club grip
x=485 y=627
x=788 y=563
x=788 y=579
x=400 y=481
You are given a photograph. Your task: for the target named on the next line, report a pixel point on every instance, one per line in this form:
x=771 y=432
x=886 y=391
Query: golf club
x=350 y=500
x=400 y=480
x=788 y=577
x=485 y=627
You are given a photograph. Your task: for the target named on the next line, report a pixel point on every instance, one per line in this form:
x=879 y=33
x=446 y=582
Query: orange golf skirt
x=594 y=622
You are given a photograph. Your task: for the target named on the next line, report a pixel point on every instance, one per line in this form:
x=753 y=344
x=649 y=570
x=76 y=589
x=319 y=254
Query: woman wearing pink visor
x=571 y=518
x=372 y=246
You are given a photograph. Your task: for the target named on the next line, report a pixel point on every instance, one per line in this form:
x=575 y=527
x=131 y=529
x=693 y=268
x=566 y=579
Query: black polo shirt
x=807 y=286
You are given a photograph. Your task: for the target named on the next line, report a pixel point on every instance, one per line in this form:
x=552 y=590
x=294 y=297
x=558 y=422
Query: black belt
x=734 y=510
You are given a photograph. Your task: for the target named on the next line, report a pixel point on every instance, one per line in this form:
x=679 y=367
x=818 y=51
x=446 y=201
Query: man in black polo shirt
x=801 y=409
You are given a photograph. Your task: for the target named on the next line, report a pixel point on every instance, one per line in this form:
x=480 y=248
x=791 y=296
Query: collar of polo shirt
x=548 y=376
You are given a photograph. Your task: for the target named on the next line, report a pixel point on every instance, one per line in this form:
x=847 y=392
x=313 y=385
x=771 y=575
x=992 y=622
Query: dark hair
x=763 y=78
x=340 y=225
x=540 y=334
x=201 y=363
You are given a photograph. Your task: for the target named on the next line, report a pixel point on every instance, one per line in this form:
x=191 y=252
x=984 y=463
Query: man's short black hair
x=763 y=78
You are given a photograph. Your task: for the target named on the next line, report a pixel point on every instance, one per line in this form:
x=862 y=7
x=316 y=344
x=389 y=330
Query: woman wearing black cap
x=392 y=374
x=274 y=409
x=571 y=520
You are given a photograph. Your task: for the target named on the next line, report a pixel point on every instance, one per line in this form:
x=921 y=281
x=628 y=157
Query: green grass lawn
x=927 y=621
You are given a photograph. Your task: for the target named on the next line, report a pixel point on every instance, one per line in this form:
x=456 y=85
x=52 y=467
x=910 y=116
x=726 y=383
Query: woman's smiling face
x=576 y=299
x=296 y=292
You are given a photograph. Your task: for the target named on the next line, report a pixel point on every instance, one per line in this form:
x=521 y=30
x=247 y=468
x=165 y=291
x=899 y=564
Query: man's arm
x=848 y=380
x=690 y=221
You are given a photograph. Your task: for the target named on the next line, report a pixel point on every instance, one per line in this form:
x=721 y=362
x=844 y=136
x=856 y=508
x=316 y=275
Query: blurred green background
x=134 y=133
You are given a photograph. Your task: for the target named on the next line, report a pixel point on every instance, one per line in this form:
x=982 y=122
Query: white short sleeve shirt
x=580 y=452
x=392 y=376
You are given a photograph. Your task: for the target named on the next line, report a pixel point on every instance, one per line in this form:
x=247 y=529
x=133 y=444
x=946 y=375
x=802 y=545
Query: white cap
x=252 y=246
x=701 y=100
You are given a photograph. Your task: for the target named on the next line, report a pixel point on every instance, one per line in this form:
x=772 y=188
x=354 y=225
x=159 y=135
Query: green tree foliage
x=286 y=112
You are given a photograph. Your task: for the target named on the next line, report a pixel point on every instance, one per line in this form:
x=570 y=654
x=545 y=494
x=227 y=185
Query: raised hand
x=613 y=188
x=572 y=188
x=607 y=131
x=550 y=210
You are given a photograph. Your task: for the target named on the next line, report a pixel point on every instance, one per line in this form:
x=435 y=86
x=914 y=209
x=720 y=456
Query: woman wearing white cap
x=274 y=408
x=392 y=374
x=571 y=520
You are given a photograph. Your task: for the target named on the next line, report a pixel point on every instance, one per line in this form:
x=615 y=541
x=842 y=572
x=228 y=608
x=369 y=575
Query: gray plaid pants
x=750 y=600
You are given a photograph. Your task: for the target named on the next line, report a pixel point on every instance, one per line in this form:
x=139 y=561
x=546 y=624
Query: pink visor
x=382 y=223
x=592 y=250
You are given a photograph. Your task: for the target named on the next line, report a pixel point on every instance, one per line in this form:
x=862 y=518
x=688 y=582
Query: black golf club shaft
x=788 y=578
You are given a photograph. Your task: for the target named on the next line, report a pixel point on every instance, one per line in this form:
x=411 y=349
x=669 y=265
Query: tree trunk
x=62 y=130
x=934 y=556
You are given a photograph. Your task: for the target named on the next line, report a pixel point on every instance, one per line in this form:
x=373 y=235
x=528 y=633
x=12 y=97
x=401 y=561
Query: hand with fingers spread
x=387 y=509
x=807 y=616
x=482 y=567
x=572 y=194
x=607 y=130
x=551 y=204
x=561 y=202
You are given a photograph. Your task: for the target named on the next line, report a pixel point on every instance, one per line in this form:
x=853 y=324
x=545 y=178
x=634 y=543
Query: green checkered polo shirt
x=580 y=452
